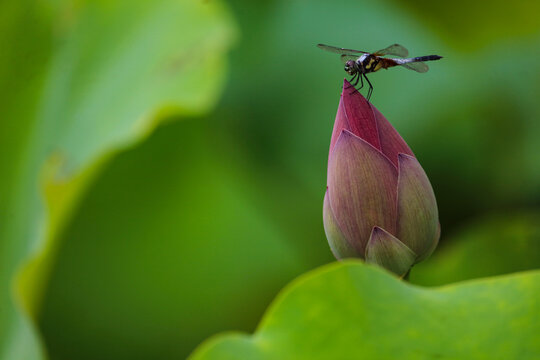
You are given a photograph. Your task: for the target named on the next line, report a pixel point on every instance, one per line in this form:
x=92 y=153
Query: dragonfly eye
x=350 y=67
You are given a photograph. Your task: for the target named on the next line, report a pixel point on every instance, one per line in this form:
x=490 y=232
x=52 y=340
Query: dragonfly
x=359 y=63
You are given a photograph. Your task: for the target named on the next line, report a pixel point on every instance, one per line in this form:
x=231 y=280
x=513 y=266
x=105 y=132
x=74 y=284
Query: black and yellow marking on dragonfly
x=370 y=64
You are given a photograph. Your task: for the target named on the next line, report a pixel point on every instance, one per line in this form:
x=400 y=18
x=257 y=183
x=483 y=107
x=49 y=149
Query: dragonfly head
x=350 y=67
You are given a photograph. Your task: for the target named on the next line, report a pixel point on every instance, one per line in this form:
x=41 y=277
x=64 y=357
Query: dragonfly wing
x=339 y=50
x=395 y=49
x=347 y=57
x=416 y=66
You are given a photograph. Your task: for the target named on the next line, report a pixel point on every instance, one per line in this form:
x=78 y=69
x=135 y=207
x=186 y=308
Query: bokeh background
x=203 y=195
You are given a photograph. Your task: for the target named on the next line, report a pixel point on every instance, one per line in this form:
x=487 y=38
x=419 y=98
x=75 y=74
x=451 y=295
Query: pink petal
x=362 y=183
x=355 y=114
x=392 y=143
x=341 y=123
x=418 y=217
x=340 y=246
x=363 y=119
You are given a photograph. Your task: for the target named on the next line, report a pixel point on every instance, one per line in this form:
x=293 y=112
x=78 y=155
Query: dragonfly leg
x=351 y=82
x=370 y=91
x=353 y=85
x=361 y=82
x=358 y=77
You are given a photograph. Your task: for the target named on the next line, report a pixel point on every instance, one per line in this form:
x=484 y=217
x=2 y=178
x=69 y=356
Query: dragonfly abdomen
x=427 y=58
x=417 y=59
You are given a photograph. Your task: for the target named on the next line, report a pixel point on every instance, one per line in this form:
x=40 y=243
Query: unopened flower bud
x=379 y=204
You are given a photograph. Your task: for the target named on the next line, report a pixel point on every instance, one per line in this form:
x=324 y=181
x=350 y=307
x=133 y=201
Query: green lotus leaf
x=355 y=311
x=79 y=81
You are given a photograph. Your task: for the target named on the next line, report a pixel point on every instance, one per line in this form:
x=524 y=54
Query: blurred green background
x=127 y=242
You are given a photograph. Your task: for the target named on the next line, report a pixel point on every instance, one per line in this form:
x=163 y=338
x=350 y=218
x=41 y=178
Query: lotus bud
x=379 y=204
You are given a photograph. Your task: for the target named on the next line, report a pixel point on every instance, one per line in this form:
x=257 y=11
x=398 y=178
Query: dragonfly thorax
x=368 y=63
x=362 y=58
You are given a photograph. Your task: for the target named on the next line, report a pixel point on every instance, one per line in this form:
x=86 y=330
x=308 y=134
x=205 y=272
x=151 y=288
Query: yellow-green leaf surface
x=78 y=81
x=473 y=24
x=354 y=311
x=492 y=246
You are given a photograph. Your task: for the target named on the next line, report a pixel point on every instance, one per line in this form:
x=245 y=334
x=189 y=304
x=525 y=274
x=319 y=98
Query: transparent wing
x=396 y=50
x=416 y=66
x=339 y=50
x=347 y=57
